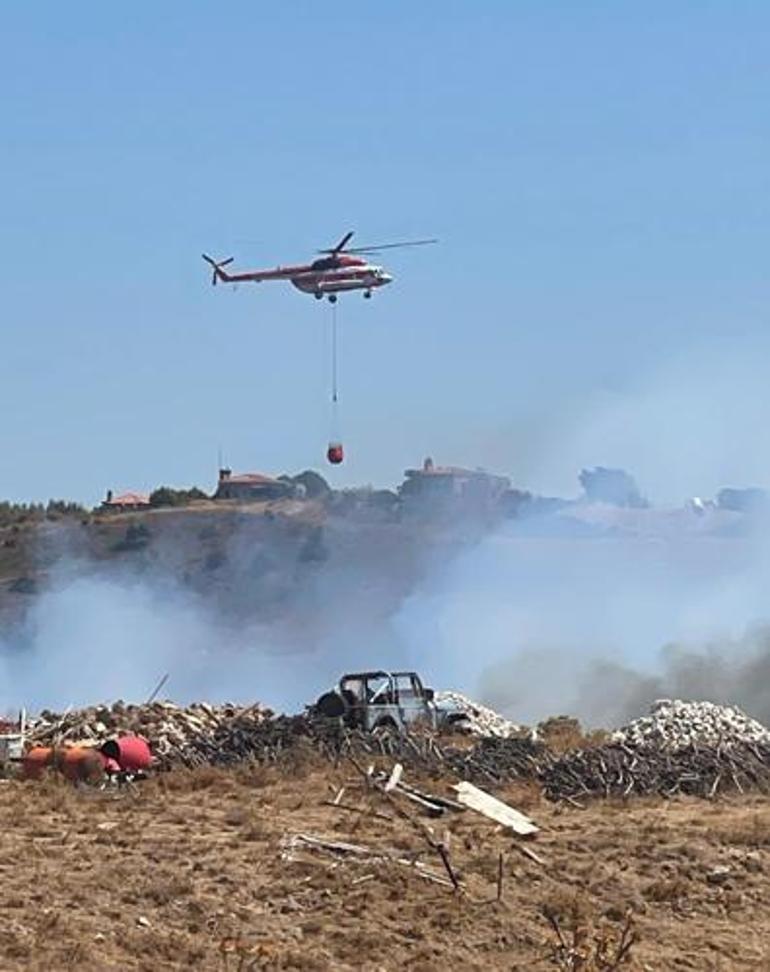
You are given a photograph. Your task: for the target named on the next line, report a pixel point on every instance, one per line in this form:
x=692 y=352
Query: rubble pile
x=673 y=725
x=174 y=732
x=479 y=719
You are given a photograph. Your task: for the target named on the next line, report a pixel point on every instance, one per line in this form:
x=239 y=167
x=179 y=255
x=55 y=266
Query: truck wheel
x=331 y=705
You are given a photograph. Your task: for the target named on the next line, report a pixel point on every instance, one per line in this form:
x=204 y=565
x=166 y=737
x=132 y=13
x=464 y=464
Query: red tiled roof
x=129 y=499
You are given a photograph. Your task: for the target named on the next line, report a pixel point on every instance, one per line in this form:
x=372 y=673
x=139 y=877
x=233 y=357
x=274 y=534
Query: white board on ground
x=395 y=777
x=471 y=796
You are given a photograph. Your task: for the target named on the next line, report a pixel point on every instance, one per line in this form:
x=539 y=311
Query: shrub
x=136 y=537
x=16 y=514
x=315 y=485
x=167 y=496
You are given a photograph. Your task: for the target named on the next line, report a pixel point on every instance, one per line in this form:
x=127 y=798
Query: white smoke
x=92 y=637
x=524 y=620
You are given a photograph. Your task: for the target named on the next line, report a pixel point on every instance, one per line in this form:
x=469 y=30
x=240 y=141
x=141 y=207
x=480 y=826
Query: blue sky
x=597 y=174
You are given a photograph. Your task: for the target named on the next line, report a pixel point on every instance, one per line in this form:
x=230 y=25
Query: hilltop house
x=125 y=502
x=251 y=487
x=451 y=486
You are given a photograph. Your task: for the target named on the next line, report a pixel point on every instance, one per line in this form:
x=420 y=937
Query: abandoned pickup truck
x=392 y=700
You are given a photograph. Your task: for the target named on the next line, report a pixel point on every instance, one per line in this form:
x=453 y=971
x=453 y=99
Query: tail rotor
x=217 y=267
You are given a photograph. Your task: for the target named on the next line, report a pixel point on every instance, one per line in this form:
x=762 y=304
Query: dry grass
x=585 y=942
x=186 y=872
x=752 y=830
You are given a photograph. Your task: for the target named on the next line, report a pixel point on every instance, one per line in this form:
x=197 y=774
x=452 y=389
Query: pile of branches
x=270 y=740
x=496 y=761
x=239 y=739
x=490 y=760
x=616 y=769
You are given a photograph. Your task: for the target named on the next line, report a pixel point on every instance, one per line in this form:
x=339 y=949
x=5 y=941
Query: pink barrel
x=131 y=753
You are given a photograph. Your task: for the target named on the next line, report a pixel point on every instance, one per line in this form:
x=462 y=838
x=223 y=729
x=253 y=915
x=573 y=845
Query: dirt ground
x=189 y=871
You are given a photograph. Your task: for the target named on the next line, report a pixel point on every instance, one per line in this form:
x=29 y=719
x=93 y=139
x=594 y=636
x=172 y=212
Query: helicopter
x=337 y=269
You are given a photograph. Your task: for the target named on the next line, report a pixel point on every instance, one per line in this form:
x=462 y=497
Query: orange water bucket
x=335 y=453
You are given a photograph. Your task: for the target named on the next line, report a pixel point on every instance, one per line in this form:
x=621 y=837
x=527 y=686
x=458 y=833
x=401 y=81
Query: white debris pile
x=170 y=729
x=479 y=719
x=673 y=724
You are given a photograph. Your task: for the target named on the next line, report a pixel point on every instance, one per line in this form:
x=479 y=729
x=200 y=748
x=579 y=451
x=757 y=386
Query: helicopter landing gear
x=318 y=295
x=367 y=295
x=332 y=298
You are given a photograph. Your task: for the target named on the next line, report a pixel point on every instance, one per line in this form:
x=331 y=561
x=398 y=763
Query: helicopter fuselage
x=334 y=280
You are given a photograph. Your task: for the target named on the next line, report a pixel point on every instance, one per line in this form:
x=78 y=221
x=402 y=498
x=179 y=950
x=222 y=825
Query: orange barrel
x=131 y=753
x=35 y=761
x=80 y=763
x=335 y=453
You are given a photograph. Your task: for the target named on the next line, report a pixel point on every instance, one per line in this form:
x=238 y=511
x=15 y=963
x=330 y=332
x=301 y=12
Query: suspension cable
x=334 y=353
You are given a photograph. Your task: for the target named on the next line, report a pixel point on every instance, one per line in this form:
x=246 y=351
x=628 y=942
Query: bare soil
x=188 y=871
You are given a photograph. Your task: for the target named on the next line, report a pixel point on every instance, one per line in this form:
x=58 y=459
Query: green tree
x=167 y=496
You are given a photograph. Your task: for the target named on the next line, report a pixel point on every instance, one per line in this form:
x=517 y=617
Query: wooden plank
x=434 y=809
x=494 y=809
x=337 y=849
x=395 y=777
x=528 y=852
x=439 y=801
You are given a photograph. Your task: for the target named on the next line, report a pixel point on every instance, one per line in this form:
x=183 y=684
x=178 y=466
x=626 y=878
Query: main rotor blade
x=345 y=239
x=388 y=246
x=340 y=246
